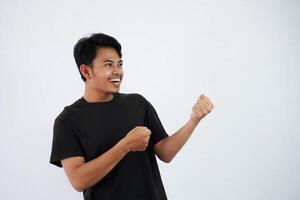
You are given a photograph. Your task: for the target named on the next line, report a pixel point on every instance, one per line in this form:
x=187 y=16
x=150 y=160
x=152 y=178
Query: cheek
x=103 y=74
x=122 y=71
x=101 y=77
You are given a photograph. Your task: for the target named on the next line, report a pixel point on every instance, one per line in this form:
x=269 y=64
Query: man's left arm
x=167 y=148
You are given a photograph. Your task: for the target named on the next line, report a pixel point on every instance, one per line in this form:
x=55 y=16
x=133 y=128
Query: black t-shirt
x=90 y=129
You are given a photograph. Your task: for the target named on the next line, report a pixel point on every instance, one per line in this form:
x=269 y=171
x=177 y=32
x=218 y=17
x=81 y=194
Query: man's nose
x=117 y=69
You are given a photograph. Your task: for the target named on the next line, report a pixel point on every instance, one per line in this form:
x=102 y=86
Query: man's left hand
x=201 y=108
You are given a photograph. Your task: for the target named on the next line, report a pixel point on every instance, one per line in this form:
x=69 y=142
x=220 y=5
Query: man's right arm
x=83 y=174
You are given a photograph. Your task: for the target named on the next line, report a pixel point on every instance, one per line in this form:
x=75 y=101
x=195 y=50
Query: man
x=106 y=141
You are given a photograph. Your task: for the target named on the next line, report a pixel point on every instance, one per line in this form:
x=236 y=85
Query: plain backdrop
x=243 y=55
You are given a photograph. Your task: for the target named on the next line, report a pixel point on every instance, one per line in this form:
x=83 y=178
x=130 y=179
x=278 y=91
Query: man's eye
x=108 y=64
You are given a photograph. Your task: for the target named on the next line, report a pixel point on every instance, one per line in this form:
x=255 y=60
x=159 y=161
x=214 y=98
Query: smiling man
x=106 y=141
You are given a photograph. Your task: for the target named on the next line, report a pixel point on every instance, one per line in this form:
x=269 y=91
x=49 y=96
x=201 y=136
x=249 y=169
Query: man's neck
x=93 y=96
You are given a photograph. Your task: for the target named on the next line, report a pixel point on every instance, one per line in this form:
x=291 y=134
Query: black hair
x=85 y=50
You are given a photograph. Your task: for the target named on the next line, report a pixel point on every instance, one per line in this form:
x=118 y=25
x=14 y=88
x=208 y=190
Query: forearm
x=175 y=142
x=93 y=171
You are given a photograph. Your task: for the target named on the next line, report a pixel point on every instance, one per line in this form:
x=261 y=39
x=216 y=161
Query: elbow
x=165 y=157
x=78 y=186
x=164 y=152
x=166 y=160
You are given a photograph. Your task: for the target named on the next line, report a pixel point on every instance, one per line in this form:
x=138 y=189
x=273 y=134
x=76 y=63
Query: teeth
x=114 y=80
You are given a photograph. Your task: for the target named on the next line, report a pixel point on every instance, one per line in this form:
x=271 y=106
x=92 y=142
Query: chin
x=115 y=91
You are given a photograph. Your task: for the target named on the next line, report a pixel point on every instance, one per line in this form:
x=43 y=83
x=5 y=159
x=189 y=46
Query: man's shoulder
x=70 y=109
x=134 y=97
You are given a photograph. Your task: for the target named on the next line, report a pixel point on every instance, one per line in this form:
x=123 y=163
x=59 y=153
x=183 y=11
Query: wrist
x=124 y=145
x=194 y=119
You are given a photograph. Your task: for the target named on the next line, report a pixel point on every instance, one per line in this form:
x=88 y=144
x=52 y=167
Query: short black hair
x=85 y=50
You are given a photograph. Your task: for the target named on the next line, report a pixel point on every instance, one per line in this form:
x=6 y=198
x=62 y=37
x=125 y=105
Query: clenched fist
x=201 y=108
x=137 y=139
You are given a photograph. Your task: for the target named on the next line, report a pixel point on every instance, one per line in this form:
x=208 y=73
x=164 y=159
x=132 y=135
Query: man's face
x=107 y=73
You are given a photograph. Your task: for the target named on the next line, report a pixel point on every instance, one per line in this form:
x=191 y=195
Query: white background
x=244 y=55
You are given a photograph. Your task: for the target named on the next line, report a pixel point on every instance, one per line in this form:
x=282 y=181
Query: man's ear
x=85 y=71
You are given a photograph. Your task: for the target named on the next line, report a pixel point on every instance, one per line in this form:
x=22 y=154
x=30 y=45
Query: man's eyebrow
x=108 y=60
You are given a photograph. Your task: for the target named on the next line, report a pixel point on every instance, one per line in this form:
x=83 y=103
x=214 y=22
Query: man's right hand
x=137 y=139
x=83 y=175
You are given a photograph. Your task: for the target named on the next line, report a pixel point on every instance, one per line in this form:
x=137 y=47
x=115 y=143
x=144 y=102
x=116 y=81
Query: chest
x=100 y=129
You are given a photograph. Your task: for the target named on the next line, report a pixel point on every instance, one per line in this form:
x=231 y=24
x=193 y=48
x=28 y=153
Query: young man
x=106 y=141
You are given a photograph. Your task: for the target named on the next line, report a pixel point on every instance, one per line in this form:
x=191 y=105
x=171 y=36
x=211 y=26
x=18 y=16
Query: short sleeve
x=65 y=143
x=153 y=122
